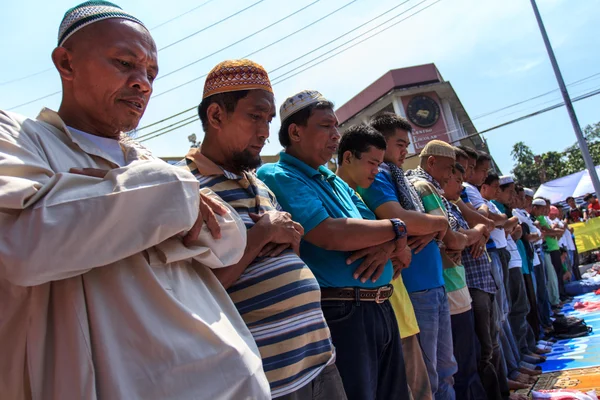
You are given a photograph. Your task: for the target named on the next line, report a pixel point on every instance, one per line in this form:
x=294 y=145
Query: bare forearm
x=472 y=216
x=254 y=244
x=455 y=240
x=473 y=236
x=417 y=223
x=499 y=219
x=350 y=234
x=511 y=223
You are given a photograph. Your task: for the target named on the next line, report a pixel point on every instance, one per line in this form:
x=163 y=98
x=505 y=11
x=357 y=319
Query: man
x=482 y=288
x=575 y=213
x=539 y=269
x=593 y=206
x=468 y=384
x=361 y=151
x=565 y=241
x=271 y=286
x=101 y=299
x=517 y=296
x=354 y=286
x=553 y=249
x=393 y=196
x=538 y=212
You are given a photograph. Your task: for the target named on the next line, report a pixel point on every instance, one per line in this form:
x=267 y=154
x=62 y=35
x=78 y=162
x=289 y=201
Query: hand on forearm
x=373 y=264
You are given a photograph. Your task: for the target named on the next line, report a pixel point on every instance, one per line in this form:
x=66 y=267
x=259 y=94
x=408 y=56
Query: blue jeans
x=433 y=316
x=368 y=349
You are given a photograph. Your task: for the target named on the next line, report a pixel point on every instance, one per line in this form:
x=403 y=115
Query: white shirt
x=524 y=218
x=497 y=235
x=111 y=147
x=99 y=299
x=567 y=239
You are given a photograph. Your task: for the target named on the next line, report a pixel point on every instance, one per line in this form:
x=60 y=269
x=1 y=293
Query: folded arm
x=57 y=225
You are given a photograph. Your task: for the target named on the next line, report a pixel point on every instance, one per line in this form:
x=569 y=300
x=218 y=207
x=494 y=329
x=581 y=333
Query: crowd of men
x=123 y=277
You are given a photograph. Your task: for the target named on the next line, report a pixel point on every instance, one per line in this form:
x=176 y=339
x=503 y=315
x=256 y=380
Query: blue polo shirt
x=425 y=269
x=312 y=196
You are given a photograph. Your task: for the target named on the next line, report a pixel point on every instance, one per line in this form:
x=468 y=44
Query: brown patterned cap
x=236 y=75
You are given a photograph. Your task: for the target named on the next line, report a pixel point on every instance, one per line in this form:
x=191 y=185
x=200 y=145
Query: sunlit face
x=453 y=188
x=243 y=132
x=490 y=192
x=397 y=147
x=480 y=172
x=108 y=69
x=571 y=203
x=319 y=139
x=440 y=168
x=364 y=169
x=469 y=168
x=507 y=195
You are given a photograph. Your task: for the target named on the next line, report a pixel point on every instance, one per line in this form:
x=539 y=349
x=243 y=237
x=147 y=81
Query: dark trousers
x=558 y=267
x=467 y=383
x=543 y=301
x=517 y=317
x=491 y=370
x=368 y=349
x=326 y=386
x=532 y=317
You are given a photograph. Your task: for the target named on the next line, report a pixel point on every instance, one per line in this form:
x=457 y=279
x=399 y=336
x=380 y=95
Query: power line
x=181 y=15
x=339 y=37
x=211 y=25
x=542 y=111
x=353 y=39
x=50 y=69
x=357 y=43
x=34 y=100
x=533 y=98
x=239 y=41
x=424 y=8
x=261 y=49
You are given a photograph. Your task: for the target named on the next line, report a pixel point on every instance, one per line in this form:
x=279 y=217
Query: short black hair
x=588 y=197
x=570 y=198
x=471 y=153
x=459 y=167
x=227 y=100
x=460 y=153
x=386 y=123
x=358 y=139
x=519 y=188
x=483 y=157
x=491 y=178
x=300 y=117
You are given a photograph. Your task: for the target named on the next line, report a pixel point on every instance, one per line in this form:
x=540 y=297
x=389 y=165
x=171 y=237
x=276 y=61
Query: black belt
x=378 y=295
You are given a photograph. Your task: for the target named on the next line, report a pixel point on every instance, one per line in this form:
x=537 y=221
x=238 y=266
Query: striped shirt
x=278 y=297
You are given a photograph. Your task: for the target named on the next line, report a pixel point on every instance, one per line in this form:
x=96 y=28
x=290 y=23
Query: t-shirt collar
x=205 y=166
x=306 y=169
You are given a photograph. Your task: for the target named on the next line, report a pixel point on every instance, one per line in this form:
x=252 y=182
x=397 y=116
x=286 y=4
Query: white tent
x=576 y=185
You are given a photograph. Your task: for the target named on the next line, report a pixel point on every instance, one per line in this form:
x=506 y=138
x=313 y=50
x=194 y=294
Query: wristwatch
x=399 y=228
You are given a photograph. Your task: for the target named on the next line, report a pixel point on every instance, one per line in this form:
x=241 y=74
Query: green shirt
x=551 y=243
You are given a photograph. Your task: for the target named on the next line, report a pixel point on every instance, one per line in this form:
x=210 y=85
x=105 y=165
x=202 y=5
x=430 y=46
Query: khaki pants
x=416 y=371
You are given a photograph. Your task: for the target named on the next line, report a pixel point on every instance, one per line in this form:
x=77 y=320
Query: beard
x=245 y=161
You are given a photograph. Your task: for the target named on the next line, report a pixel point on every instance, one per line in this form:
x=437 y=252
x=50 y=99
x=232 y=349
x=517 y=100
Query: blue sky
x=491 y=51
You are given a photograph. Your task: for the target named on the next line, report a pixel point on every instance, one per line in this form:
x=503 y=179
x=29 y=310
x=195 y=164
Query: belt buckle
x=378 y=298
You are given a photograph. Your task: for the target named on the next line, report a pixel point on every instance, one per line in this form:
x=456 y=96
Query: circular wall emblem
x=423 y=111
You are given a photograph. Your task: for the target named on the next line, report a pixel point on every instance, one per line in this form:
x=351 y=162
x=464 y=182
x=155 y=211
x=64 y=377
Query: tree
x=552 y=165
x=525 y=170
x=574 y=161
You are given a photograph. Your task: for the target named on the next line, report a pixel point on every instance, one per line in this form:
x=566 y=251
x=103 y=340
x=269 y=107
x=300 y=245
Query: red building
x=421 y=95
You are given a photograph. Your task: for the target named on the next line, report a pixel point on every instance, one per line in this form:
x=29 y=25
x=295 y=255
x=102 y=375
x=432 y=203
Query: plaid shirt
x=478 y=271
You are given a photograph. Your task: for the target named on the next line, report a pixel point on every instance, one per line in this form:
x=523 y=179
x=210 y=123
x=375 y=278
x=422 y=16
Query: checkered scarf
x=407 y=195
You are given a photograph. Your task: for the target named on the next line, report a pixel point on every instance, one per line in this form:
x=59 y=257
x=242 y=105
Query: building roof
x=395 y=79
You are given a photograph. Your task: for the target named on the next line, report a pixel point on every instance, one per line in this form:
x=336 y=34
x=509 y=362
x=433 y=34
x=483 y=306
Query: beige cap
x=438 y=148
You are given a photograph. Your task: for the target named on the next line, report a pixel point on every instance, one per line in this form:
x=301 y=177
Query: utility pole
x=589 y=163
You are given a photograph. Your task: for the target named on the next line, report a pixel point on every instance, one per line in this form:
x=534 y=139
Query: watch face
x=423 y=111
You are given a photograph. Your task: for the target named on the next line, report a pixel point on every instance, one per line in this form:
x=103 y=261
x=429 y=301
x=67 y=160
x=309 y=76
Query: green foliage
x=553 y=165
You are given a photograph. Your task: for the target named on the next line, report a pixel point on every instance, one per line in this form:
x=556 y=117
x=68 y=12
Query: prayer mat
x=583 y=379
